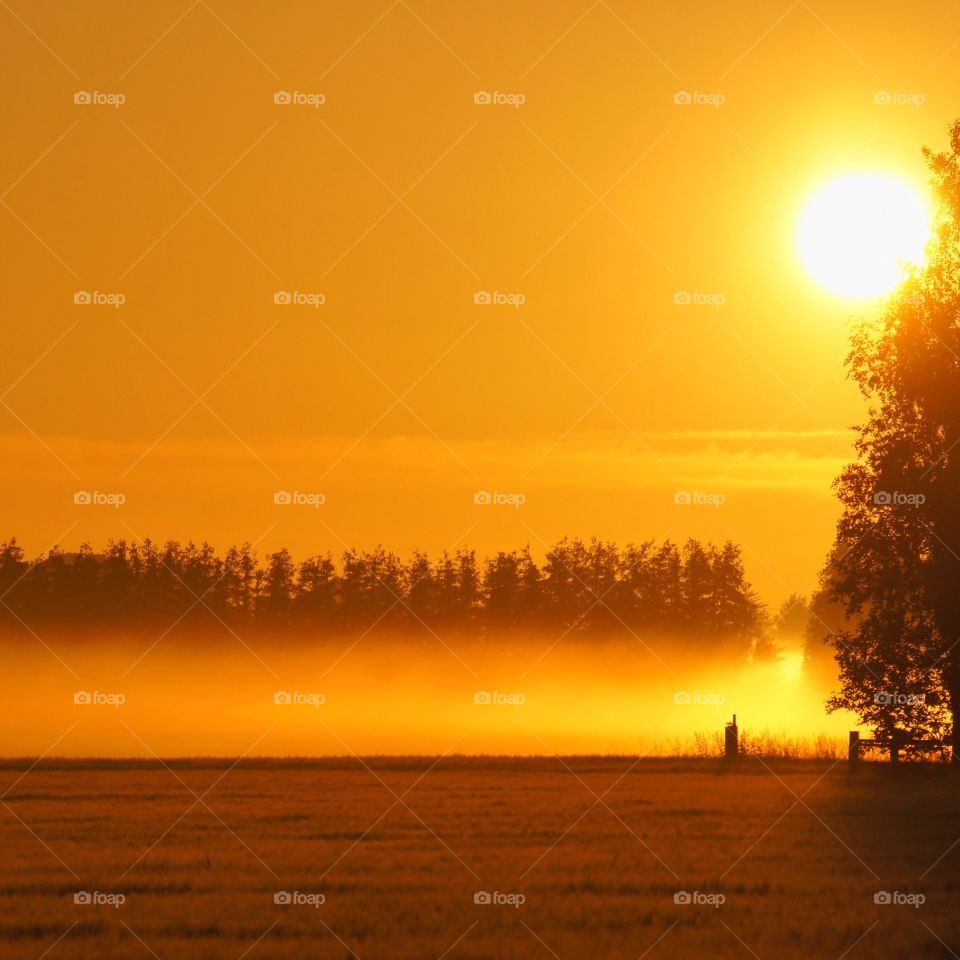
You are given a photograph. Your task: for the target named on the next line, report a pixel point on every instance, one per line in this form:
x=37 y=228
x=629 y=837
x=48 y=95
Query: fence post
x=853 y=749
x=731 y=745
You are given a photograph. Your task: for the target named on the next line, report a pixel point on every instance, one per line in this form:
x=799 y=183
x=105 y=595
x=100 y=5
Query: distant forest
x=696 y=589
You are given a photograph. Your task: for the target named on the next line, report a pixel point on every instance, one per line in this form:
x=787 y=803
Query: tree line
x=700 y=589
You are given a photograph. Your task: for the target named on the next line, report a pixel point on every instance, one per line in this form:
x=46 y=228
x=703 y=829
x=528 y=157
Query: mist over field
x=281 y=695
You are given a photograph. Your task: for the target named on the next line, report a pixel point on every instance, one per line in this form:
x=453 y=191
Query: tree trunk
x=947 y=611
x=951 y=675
x=953 y=688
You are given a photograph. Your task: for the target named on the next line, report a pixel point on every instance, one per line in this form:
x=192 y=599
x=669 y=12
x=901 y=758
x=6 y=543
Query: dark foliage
x=698 y=590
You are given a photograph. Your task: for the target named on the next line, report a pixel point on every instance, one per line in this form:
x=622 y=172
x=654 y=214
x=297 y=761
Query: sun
x=858 y=232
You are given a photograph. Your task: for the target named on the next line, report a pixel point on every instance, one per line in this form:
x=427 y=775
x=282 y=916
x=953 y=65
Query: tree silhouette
x=316 y=599
x=279 y=584
x=696 y=588
x=510 y=588
x=700 y=593
x=788 y=626
x=895 y=565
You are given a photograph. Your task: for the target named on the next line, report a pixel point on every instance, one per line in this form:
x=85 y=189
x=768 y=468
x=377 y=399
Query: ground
x=579 y=858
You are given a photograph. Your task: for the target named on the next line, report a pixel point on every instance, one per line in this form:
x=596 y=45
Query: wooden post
x=853 y=749
x=731 y=745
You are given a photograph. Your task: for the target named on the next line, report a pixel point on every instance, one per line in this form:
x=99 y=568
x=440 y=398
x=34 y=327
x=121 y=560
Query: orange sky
x=597 y=200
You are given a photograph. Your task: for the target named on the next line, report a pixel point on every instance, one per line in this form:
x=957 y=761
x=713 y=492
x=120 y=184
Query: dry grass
x=599 y=877
x=764 y=744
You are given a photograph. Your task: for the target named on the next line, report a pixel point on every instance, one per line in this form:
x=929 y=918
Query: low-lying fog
x=190 y=696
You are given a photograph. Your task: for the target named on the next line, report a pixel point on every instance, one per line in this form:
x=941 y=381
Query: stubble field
x=388 y=858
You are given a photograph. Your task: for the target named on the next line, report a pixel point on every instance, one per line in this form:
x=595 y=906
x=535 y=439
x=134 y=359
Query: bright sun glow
x=791 y=666
x=857 y=232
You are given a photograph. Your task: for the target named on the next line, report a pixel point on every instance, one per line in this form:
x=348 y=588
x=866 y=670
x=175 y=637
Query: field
x=580 y=857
